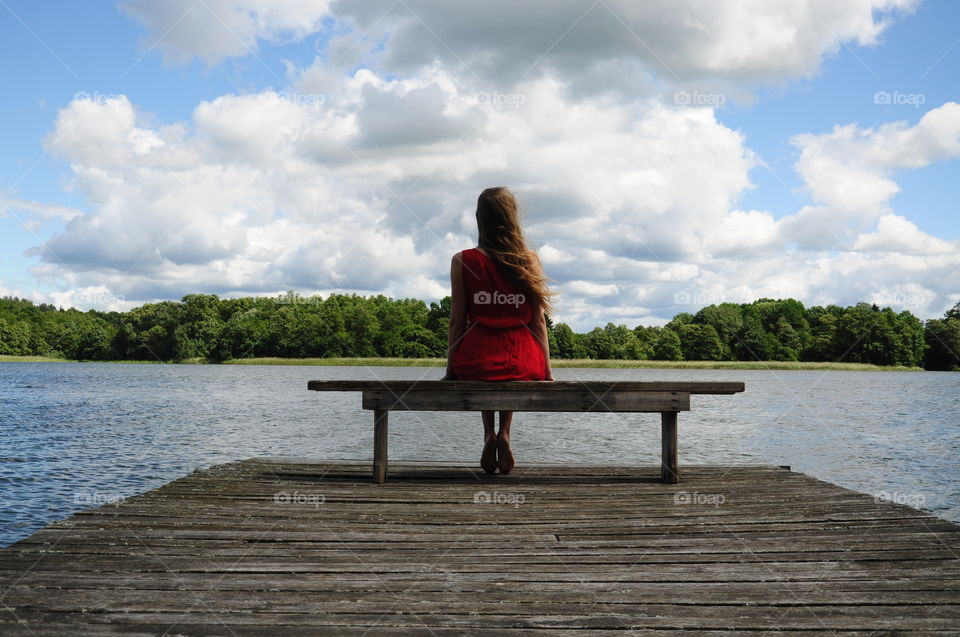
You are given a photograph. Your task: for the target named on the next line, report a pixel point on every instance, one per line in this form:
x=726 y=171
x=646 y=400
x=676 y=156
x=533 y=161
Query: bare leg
x=505 y=457
x=488 y=459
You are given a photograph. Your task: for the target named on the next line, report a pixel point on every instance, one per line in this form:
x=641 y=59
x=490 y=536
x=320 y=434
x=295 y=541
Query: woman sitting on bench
x=499 y=302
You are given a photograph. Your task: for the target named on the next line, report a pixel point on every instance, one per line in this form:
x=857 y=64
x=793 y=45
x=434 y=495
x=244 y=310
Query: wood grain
x=596 y=386
x=272 y=547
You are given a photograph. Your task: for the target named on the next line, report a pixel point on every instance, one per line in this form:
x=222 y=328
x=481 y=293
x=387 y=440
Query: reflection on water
x=76 y=435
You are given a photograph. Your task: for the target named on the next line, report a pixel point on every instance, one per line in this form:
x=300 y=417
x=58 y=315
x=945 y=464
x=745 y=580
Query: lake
x=74 y=435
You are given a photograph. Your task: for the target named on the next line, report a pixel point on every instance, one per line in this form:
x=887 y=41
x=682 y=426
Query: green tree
x=201 y=320
x=361 y=327
x=599 y=344
x=667 y=346
x=242 y=336
x=823 y=344
x=943 y=341
x=15 y=338
x=699 y=342
x=623 y=344
x=727 y=320
x=753 y=342
x=96 y=342
x=646 y=338
x=567 y=343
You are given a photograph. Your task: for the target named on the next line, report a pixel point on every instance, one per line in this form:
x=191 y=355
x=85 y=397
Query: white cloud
x=32 y=215
x=96 y=297
x=5 y=291
x=849 y=172
x=588 y=289
x=743 y=231
x=896 y=234
x=633 y=206
x=43 y=211
x=213 y=30
x=247 y=202
x=367 y=180
x=616 y=44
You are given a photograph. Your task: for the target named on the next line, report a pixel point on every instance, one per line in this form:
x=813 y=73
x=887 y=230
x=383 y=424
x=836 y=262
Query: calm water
x=73 y=435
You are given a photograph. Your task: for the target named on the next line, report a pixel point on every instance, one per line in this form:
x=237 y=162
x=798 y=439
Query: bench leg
x=669 y=467
x=380 y=445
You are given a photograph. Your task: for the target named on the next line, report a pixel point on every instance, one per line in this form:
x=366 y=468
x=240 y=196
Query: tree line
x=340 y=325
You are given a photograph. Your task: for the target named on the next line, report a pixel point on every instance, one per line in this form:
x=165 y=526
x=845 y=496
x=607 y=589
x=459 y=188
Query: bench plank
x=599 y=386
x=579 y=400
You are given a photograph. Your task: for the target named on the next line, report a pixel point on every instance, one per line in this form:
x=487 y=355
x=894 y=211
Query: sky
x=666 y=154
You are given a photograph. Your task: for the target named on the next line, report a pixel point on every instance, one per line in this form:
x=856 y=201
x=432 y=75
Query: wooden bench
x=668 y=398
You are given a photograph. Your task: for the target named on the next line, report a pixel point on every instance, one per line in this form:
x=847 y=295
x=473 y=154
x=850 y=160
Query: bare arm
x=458 y=312
x=539 y=329
x=538 y=326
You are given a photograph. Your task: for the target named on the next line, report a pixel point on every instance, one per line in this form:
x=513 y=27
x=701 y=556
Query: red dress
x=497 y=343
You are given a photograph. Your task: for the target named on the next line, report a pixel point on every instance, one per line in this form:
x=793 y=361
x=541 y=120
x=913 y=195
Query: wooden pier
x=269 y=547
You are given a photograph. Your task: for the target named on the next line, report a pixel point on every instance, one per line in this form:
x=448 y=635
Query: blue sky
x=918 y=54
x=411 y=201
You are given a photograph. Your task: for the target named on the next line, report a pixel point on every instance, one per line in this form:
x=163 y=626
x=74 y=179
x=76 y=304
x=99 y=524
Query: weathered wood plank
x=607 y=619
x=569 y=550
x=531 y=400
x=597 y=386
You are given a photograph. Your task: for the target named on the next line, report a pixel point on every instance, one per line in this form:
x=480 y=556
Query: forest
x=292 y=326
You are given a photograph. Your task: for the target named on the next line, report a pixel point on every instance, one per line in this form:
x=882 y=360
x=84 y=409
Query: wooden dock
x=265 y=547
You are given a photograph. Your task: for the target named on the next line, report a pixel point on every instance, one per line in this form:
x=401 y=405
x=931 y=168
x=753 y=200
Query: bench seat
x=666 y=397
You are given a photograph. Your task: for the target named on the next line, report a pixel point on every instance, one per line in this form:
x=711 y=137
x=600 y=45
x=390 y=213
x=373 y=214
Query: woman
x=498 y=328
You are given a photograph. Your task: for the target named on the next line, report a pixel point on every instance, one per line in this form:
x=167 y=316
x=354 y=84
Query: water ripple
x=77 y=435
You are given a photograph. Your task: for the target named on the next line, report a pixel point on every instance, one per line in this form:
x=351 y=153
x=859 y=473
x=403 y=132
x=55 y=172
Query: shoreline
x=555 y=363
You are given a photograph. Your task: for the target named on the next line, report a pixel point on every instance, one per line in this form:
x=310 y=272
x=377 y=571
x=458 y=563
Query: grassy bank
x=556 y=363
x=4 y=358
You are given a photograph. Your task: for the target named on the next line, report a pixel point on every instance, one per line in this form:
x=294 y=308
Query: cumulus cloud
x=248 y=184
x=635 y=210
x=96 y=297
x=849 y=172
x=363 y=174
x=897 y=234
x=33 y=214
x=615 y=44
x=214 y=30
x=43 y=211
x=5 y=291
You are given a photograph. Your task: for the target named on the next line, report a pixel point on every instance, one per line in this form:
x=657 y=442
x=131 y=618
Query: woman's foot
x=505 y=459
x=488 y=459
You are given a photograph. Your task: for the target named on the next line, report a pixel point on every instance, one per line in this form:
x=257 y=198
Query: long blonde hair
x=500 y=235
